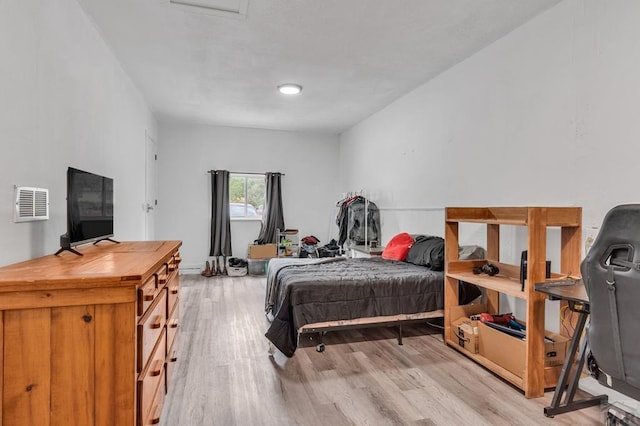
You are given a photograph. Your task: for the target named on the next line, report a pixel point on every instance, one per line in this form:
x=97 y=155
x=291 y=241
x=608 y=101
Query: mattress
x=346 y=289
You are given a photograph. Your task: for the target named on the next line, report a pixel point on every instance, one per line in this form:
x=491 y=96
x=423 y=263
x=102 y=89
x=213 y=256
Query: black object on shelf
x=487 y=268
x=523 y=269
x=521 y=334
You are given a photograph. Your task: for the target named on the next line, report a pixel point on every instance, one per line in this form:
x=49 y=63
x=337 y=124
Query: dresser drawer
x=177 y=259
x=173 y=290
x=151 y=387
x=173 y=325
x=147 y=292
x=162 y=275
x=153 y=417
x=150 y=326
x=172 y=358
x=172 y=265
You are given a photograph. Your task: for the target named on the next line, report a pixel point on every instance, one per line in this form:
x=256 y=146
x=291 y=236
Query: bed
x=314 y=295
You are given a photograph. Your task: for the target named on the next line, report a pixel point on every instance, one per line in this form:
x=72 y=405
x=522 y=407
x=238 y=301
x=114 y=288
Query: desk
x=576 y=296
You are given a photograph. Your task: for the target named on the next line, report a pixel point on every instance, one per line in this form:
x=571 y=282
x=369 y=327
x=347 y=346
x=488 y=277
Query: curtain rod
x=246 y=173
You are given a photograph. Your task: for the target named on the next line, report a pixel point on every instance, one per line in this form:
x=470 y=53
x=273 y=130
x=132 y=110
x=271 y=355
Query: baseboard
x=190 y=269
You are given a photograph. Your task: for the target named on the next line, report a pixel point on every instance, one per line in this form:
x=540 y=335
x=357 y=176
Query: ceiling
x=353 y=57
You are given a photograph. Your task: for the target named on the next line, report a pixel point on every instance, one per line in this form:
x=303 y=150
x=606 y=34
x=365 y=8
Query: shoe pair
x=208 y=272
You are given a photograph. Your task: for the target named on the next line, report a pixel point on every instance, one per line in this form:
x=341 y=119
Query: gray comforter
x=273 y=271
x=349 y=289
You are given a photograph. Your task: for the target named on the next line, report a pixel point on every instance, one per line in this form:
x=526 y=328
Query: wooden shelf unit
x=292 y=246
x=536 y=376
x=89 y=340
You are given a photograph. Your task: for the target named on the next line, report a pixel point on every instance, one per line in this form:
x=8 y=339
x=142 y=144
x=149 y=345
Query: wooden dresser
x=89 y=340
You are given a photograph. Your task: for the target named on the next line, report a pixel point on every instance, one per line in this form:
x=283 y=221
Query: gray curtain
x=220 y=214
x=272 y=217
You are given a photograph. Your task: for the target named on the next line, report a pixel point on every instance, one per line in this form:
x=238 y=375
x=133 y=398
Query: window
x=246 y=196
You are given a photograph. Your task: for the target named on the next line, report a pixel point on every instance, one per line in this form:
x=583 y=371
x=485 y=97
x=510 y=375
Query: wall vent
x=31 y=204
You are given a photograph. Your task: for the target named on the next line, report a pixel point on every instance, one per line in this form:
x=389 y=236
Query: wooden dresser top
x=103 y=264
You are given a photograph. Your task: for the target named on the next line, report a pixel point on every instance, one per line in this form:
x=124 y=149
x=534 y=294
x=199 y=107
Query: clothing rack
x=351 y=194
x=361 y=193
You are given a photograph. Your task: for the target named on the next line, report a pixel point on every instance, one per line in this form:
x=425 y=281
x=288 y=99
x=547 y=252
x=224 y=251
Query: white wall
x=545 y=116
x=548 y=115
x=187 y=152
x=65 y=101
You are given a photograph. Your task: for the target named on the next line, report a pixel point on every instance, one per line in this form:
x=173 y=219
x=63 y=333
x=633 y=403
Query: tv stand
x=74 y=251
x=65 y=245
x=105 y=239
x=91 y=340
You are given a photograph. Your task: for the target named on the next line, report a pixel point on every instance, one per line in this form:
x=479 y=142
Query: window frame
x=246 y=176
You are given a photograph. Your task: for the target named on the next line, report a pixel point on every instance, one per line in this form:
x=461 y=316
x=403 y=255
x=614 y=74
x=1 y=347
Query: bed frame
x=321 y=328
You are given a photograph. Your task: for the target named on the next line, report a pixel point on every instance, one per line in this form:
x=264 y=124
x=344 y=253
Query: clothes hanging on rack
x=351 y=220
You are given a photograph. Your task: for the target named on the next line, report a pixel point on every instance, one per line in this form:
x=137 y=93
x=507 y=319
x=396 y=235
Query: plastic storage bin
x=258 y=266
x=234 y=271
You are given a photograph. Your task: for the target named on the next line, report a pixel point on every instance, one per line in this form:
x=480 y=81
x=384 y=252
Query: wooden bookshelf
x=536 y=376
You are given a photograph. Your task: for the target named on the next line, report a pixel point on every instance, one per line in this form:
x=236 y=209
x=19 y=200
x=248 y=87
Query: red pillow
x=398 y=247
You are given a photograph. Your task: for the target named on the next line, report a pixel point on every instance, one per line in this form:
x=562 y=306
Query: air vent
x=227 y=8
x=31 y=204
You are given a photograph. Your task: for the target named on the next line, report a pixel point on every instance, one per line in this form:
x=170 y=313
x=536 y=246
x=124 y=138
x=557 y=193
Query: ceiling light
x=290 y=89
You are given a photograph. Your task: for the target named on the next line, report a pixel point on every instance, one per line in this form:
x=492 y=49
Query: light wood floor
x=225 y=375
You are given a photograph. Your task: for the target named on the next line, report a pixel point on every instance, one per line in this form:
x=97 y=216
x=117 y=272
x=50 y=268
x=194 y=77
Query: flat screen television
x=89 y=209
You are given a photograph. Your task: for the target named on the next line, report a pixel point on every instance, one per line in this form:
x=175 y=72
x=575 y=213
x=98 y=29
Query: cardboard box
x=509 y=351
x=262 y=251
x=464 y=331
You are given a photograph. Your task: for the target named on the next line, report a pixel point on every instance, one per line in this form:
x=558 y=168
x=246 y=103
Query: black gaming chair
x=611 y=275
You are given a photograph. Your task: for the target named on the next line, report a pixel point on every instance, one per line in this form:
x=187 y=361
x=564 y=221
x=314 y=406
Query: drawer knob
x=161 y=277
x=148 y=297
x=156 y=369
x=157 y=323
x=173 y=323
x=174 y=357
x=157 y=410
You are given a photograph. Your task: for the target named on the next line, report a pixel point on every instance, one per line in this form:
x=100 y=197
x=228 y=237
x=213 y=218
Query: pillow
x=471 y=252
x=398 y=247
x=427 y=251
